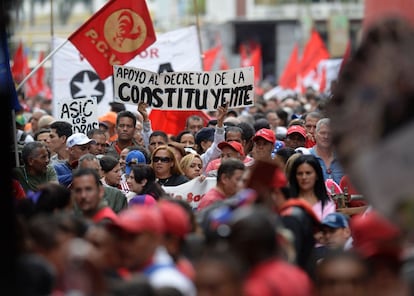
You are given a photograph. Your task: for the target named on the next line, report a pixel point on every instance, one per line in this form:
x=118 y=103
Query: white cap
x=78 y=139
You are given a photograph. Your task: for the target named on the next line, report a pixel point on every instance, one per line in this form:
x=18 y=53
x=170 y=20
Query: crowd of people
x=283 y=217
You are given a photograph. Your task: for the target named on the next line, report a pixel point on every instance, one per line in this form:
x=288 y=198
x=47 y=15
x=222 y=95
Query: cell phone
x=224 y=104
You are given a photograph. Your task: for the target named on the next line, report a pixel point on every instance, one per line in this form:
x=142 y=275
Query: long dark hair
x=319 y=189
x=153 y=188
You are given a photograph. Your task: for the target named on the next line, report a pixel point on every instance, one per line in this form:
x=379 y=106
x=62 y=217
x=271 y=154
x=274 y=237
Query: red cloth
x=212 y=196
x=20 y=67
x=309 y=143
x=210 y=57
x=18 y=191
x=277 y=277
x=114 y=35
x=186 y=267
x=288 y=78
x=173 y=122
x=251 y=55
x=313 y=53
x=104 y=213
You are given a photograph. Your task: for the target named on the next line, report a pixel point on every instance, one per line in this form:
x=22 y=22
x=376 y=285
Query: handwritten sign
x=81 y=113
x=191 y=191
x=185 y=90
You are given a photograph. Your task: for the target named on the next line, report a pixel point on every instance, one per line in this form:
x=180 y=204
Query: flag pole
x=52 y=53
x=16 y=153
x=198 y=32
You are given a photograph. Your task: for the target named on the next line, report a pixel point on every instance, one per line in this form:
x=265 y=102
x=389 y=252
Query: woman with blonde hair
x=166 y=167
x=191 y=165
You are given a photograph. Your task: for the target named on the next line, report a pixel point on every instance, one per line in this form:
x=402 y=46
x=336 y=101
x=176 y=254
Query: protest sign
x=81 y=113
x=185 y=90
x=74 y=77
x=191 y=191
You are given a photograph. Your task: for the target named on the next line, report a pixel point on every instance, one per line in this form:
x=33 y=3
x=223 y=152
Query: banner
x=114 y=35
x=191 y=191
x=185 y=90
x=74 y=77
x=81 y=114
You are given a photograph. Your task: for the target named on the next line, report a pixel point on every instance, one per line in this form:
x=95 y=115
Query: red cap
x=232 y=144
x=176 y=219
x=108 y=117
x=296 y=129
x=374 y=235
x=142 y=199
x=140 y=218
x=279 y=179
x=266 y=134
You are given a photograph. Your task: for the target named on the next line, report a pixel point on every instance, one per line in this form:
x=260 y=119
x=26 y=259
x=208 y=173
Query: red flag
x=173 y=122
x=42 y=87
x=20 y=66
x=251 y=55
x=114 y=35
x=289 y=77
x=224 y=65
x=313 y=53
x=210 y=57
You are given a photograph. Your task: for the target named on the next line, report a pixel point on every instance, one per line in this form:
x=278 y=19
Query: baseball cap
x=232 y=144
x=266 y=134
x=373 y=234
x=78 y=139
x=134 y=157
x=20 y=119
x=204 y=134
x=176 y=219
x=45 y=121
x=142 y=199
x=296 y=129
x=279 y=179
x=335 y=220
x=139 y=218
x=108 y=117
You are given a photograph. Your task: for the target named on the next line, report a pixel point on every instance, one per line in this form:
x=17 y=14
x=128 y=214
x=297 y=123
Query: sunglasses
x=162 y=159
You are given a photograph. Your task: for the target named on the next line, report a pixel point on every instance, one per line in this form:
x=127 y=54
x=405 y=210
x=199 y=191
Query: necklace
x=163 y=181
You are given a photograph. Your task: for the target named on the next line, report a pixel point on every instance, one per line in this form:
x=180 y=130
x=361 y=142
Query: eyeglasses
x=162 y=159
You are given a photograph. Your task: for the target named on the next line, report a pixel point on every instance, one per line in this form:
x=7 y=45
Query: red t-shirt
x=212 y=196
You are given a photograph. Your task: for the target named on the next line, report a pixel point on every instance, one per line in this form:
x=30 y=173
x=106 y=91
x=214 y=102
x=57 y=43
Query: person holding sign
x=125 y=128
x=207 y=148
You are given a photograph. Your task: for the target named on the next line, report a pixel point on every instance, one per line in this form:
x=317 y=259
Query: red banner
x=173 y=122
x=114 y=35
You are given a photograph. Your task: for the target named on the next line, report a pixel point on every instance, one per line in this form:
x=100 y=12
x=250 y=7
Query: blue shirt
x=64 y=173
x=334 y=172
